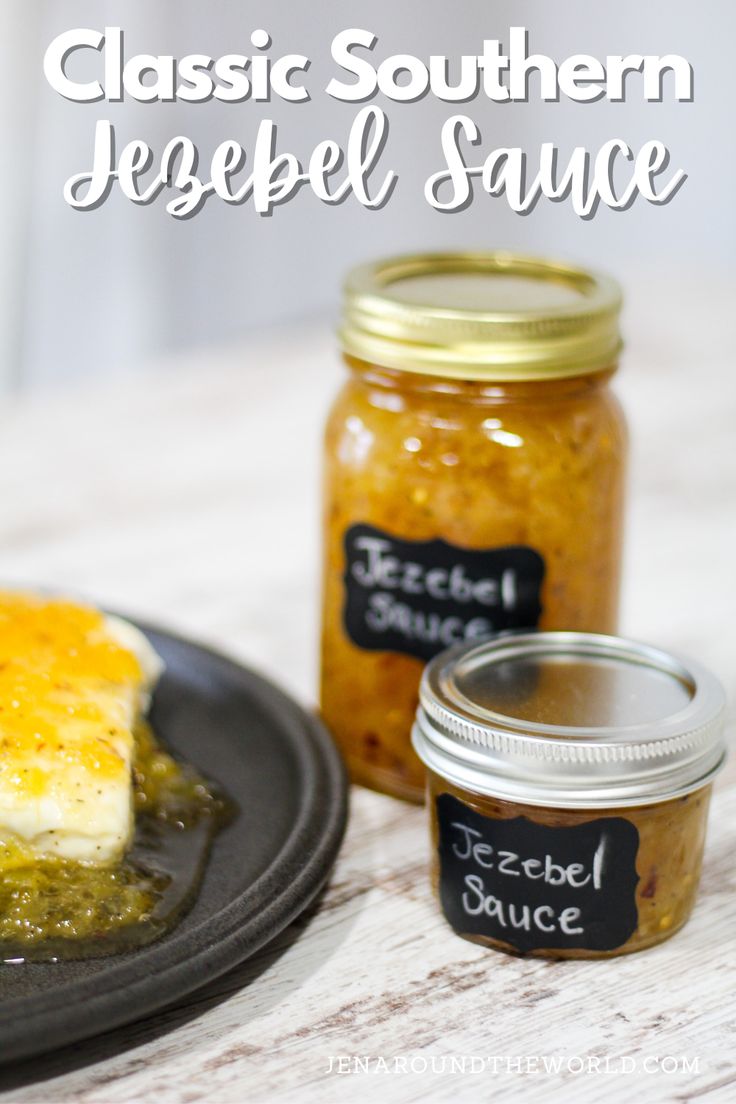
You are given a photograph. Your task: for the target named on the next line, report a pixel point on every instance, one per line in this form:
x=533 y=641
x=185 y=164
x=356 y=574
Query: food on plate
x=93 y=810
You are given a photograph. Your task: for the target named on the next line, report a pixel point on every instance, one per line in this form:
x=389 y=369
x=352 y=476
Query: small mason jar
x=474 y=480
x=569 y=776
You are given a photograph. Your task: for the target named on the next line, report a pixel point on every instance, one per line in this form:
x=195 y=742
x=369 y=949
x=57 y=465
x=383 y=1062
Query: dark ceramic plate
x=280 y=767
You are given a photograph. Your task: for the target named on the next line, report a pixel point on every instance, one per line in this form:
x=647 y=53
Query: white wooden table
x=190 y=495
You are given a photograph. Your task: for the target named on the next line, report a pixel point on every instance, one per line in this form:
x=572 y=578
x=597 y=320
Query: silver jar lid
x=570 y=720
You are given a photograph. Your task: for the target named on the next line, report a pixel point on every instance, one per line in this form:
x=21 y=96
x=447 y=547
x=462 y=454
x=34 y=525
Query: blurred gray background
x=118 y=289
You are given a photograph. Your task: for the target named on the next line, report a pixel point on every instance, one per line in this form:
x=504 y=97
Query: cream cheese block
x=73 y=684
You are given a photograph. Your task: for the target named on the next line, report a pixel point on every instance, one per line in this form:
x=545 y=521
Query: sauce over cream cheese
x=57 y=908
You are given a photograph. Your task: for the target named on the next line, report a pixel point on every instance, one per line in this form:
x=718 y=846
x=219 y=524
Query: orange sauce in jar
x=474 y=481
x=671 y=836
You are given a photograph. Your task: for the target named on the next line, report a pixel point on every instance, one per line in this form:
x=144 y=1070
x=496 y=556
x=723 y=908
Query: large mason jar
x=474 y=480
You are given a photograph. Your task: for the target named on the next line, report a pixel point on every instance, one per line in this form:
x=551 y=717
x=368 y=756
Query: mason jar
x=474 y=480
x=569 y=779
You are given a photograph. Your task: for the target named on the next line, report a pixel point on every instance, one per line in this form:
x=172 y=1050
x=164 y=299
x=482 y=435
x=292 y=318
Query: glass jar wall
x=670 y=840
x=533 y=466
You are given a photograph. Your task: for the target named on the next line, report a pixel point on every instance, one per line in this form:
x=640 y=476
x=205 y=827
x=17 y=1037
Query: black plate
x=282 y=770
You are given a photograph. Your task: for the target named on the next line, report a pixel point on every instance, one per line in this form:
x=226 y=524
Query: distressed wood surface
x=189 y=495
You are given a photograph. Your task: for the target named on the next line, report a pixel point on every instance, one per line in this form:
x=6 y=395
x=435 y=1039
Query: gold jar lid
x=494 y=316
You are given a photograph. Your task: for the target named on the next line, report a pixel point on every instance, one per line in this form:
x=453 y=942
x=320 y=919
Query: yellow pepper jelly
x=568 y=788
x=474 y=480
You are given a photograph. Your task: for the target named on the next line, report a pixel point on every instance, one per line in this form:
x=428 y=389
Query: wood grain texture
x=191 y=496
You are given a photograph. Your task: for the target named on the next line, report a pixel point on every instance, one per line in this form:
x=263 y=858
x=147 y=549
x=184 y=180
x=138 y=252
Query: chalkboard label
x=419 y=597
x=536 y=887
